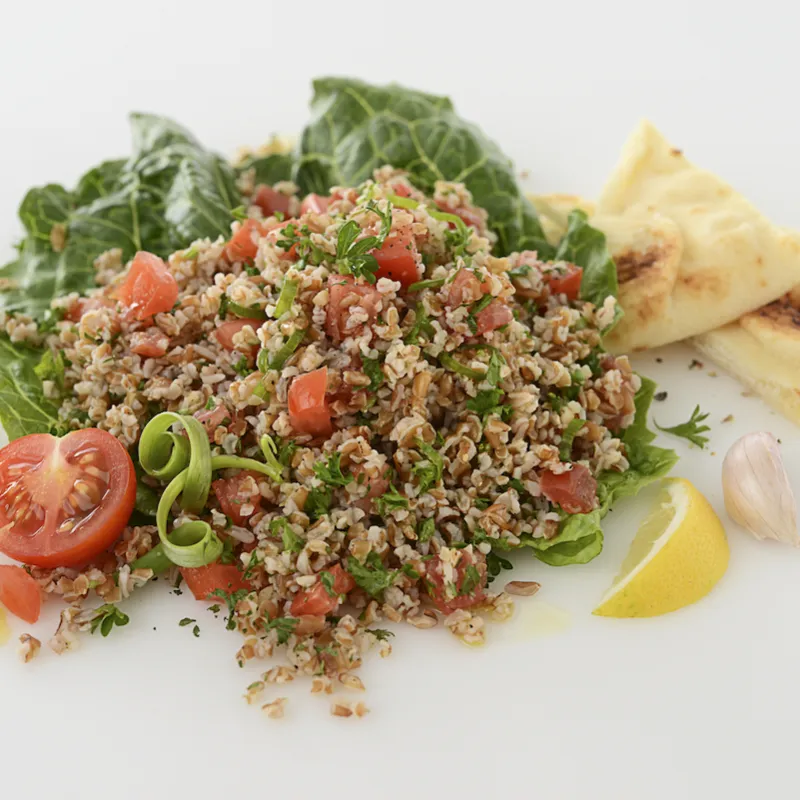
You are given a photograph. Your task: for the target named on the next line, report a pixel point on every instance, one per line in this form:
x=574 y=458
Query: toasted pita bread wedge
x=553 y=210
x=762 y=350
x=732 y=259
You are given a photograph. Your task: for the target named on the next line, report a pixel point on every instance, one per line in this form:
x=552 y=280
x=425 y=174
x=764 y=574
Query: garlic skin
x=757 y=491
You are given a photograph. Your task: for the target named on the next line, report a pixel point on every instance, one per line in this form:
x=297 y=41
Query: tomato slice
x=494 y=316
x=272 y=202
x=316 y=601
x=243 y=245
x=236 y=492
x=344 y=294
x=461 y=589
x=64 y=501
x=397 y=258
x=20 y=593
x=227 y=330
x=151 y=343
x=575 y=491
x=308 y=408
x=149 y=288
x=566 y=280
x=202 y=581
x=316 y=203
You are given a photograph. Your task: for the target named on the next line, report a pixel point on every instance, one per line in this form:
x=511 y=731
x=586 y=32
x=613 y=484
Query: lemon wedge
x=679 y=553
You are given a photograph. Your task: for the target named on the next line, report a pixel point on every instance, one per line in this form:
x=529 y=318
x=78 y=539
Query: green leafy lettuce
x=356 y=127
x=580 y=537
x=586 y=247
x=168 y=193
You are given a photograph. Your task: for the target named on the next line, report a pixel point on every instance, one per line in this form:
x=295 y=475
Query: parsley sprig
x=106 y=617
x=330 y=472
x=353 y=254
x=692 y=430
x=430 y=468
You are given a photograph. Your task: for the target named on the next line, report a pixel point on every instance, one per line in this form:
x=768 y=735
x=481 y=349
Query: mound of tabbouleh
x=431 y=406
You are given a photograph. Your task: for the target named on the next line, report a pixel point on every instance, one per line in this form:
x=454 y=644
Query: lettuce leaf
x=580 y=537
x=356 y=128
x=168 y=193
x=23 y=407
x=586 y=247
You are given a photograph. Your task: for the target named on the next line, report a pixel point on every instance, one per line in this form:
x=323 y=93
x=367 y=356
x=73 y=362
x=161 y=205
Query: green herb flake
x=231 y=600
x=426 y=530
x=186 y=621
x=430 y=469
x=371 y=576
x=471 y=581
x=389 y=500
x=330 y=472
x=327 y=580
x=568 y=437
x=692 y=430
x=106 y=617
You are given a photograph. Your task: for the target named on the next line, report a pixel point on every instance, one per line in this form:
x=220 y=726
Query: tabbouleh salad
x=331 y=408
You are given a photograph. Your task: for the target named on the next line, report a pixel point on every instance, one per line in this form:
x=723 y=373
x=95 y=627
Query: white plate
x=695 y=704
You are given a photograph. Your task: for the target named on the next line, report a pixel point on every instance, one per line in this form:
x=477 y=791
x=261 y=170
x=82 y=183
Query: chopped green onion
x=286 y=349
x=450 y=363
x=245 y=312
x=285 y=298
x=164 y=455
x=434 y=283
x=568 y=437
x=403 y=202
x=156 y=560
x=270 y=451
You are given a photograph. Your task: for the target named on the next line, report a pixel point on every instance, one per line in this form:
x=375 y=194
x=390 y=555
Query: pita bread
x=553 y=211
x=761 y=350
x=731 y=259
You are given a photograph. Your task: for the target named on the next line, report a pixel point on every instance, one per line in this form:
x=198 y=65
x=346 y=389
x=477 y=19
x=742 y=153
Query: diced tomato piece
x=151 y=343
x=468 y=215
x=308 y=408
x=375 y=486
x=494 y=316
x=397 y=259
x=575 y=491
x=466 y=288
x=345 y=294
x=149 y=287
x=213 y=418
x=464 y=588
x=277 y=234
x=83 y=304
x=272 y=202
x=20 y=593
x=401 y=189
x=243 y=245
x=236 y=492
x=566 y=282
x=227 y=330
x=316 y=601
x=202 y=581
x=314 y=202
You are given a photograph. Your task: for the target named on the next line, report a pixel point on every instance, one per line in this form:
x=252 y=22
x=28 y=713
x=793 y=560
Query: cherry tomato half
x=64 y=501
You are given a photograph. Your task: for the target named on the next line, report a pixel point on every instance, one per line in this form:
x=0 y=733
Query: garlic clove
x=757 y=491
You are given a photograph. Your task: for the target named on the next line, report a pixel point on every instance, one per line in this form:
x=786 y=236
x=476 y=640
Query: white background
x=702 y=703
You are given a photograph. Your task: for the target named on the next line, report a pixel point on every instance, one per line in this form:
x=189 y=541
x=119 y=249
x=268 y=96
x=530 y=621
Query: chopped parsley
x=408 y=569
x=241 y=367
x=284 y=626
x=568 y=437
x=374 y=371
x=426 y=530
x=371 y=576
x=331 y=472
x=353 y=254
x=488 y=402
x=495 y=564
x=381 y=634
x=389 y=500
x=106 y=617
x=318 y=502
x=476 y=309
x=422 y=324
x=231 y=599
x=692 y=430
x=227 y=556
x=472 y=580
x=327 y=580
x=429 y=470
x=291 y=541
